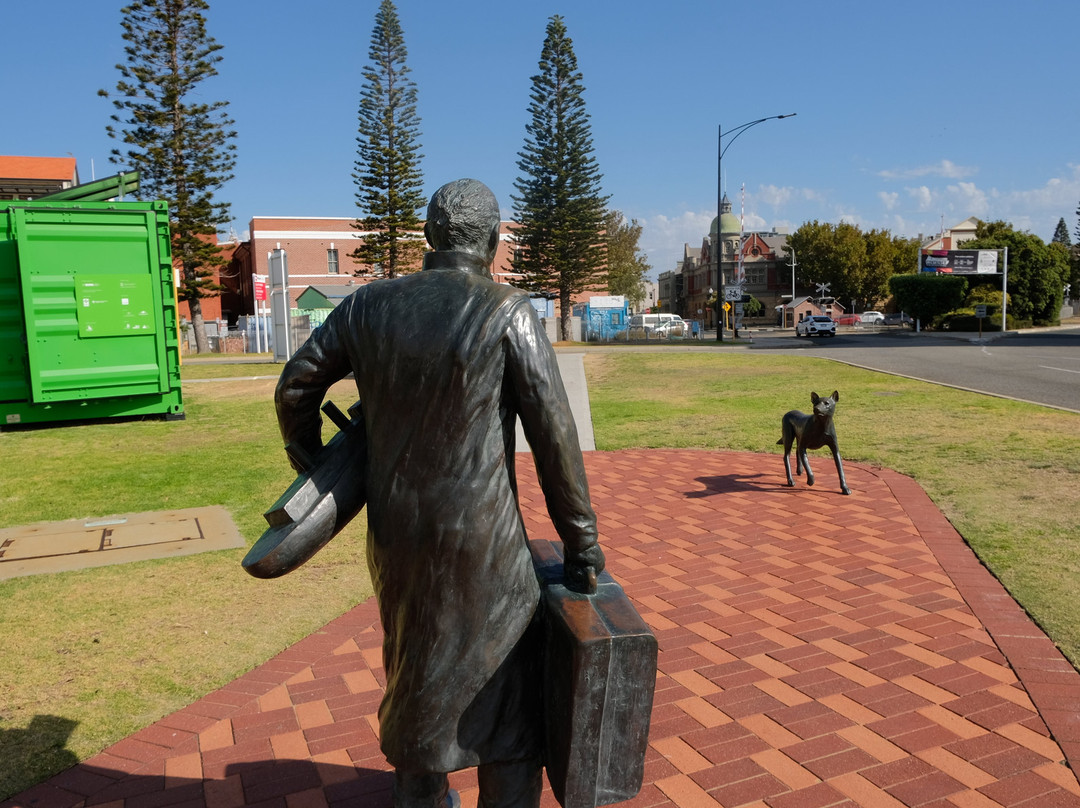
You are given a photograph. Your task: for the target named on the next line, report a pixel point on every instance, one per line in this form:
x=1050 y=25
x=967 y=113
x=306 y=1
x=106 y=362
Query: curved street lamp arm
x=738 y=130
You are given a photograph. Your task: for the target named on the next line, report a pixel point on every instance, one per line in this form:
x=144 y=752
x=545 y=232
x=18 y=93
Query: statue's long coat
x=444 y=359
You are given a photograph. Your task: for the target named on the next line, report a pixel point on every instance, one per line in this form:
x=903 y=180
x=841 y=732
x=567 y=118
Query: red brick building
x=219 y=307
x=318 y=254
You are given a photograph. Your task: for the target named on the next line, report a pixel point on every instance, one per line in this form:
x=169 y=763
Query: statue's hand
x=581 y=568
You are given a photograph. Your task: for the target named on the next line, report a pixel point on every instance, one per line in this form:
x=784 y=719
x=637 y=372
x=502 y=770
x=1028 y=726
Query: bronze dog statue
x=811 y=432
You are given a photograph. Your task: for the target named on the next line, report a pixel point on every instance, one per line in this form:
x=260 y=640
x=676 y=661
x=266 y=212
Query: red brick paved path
x=815 y=650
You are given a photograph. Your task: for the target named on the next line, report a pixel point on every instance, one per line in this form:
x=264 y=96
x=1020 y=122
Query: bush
x=965 y=320
x=928 y=296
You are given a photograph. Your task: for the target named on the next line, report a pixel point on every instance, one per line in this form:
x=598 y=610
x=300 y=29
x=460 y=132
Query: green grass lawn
x=91 y=656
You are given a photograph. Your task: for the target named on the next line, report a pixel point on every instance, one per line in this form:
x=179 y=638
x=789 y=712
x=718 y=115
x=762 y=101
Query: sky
x=910 y=115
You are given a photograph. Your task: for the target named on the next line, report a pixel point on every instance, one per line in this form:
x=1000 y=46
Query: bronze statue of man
x=444 y=360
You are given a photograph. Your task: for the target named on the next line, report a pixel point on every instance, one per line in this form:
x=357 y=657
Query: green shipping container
x=88 y=325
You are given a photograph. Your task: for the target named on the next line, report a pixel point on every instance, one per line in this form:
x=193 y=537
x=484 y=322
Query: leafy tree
x=906 y=255
x=927 y=295
x=812 y=244
x=1038 y=271
x=180 y=145
x=559 y=206
x=754 y=308
x=856 y=265
x=388 y=178
x=849 y=262
x=1061 y=234
x=626 y=265
x=1074 y=255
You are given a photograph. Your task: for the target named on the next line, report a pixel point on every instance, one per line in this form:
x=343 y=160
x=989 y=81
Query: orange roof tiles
x=37 y=168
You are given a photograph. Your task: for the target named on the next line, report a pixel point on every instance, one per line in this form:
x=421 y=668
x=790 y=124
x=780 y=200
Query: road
x=1040 y=366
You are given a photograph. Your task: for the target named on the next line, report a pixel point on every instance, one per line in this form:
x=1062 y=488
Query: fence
x=246 y=338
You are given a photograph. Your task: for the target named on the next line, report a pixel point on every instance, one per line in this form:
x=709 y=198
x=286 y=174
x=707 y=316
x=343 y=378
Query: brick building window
x=332 y=261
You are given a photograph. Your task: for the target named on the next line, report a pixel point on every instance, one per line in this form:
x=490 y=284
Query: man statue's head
x=464 y=216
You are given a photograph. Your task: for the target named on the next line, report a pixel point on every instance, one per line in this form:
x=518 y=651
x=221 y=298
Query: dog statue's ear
x=835 y=395
x=814 y=398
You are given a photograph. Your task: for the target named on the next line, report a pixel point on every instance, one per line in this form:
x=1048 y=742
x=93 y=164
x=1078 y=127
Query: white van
x=643 y=326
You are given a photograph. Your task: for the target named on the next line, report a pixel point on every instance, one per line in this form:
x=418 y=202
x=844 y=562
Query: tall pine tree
x=388 y=178
x=1061 y=234
x=181 y=146
x=559 y=206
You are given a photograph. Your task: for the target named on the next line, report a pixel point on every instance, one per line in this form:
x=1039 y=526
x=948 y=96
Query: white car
x=642 y=326
x=872 y=318
x=816 y=325
x=675 y=327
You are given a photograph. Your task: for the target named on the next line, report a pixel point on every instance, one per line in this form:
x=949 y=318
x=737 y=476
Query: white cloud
x=923 y=196
x=966 y=196
x=1057 y=193
x=946 y=168
x=1035 y=209
x=663 y=237
x=753 y=222
x=912 y=210
x=777 y=196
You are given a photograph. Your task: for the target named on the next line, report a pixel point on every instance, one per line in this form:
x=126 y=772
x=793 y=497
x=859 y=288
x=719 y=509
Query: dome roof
x=729 y=222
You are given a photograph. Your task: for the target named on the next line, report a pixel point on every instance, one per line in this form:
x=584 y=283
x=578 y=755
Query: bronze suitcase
x=599 y=677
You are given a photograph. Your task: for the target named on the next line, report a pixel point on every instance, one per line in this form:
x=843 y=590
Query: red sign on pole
x=259 y=284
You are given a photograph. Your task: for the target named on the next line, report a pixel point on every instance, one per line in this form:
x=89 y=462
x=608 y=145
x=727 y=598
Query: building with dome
x=765 y=266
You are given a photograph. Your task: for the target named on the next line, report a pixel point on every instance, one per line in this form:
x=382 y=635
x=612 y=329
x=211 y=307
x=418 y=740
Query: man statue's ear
x=493 y=241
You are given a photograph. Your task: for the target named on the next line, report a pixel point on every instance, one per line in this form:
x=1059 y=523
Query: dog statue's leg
x=787 y=459
x=787 y=435
x=839 y=467
x=801 y=457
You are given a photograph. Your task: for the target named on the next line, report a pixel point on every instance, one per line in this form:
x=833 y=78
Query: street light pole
x=721 y=149
x=793 y=263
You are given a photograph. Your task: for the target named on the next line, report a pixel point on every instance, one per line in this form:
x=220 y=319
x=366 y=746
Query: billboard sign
x=959 y=262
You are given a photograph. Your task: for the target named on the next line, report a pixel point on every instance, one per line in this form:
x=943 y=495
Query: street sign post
x=980 y=312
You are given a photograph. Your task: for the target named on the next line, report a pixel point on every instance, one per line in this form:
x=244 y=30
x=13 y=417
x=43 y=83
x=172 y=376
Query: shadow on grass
x=40 y=748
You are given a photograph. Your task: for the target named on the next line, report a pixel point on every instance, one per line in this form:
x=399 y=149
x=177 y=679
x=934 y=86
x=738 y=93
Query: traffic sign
x=732 y=293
